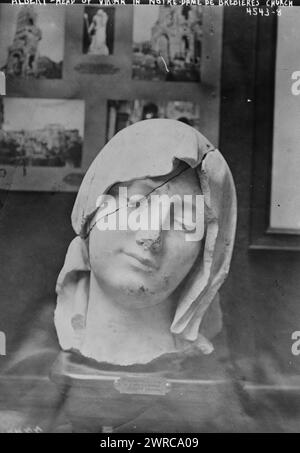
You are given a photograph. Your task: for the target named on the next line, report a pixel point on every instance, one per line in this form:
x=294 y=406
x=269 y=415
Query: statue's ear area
x=72 y=290
x=212 y=321
x=220 y=211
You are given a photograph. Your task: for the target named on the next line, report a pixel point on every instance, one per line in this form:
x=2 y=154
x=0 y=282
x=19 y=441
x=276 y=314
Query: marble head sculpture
x=129 y=297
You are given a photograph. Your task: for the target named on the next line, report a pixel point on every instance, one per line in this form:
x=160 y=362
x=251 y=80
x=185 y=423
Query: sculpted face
x=144 y=267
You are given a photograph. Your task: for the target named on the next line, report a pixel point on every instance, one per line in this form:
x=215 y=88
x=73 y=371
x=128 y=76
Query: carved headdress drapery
x=151 y=148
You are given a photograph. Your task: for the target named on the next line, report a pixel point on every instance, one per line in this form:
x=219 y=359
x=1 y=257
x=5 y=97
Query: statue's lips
x=148 y=263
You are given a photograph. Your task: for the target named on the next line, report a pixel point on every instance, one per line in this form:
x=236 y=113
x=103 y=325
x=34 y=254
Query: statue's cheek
x=185 y=252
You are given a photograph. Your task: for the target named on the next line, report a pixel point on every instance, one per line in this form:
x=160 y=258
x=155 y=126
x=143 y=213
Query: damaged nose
x=149 y=240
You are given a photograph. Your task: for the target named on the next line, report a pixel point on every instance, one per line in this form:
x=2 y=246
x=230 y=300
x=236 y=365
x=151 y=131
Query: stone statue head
x=155 y=219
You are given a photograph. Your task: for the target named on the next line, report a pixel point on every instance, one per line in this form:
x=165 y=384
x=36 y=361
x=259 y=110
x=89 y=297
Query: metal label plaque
x=142 y=386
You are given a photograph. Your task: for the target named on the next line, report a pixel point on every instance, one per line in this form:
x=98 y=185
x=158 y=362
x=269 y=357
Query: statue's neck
x=118 y=334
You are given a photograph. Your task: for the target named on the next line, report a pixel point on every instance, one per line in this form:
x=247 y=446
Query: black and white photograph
x=170 y=38
x=98 y=35
x=285 y=215
x=149 y=221
x=37 y=133
x=41 y=132
x=123 y=113
x=32 y=41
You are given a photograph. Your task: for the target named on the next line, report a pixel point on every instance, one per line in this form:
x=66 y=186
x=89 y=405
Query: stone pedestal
x=117 y=399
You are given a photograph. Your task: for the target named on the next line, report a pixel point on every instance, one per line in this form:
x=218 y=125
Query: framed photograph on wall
x=98 y=69
x=97 y=40
x=41 y=143
x=121 y=114
x=175 y=44
x=167 y=43
x=275 y=222
x=32 y=41
x=98 y=30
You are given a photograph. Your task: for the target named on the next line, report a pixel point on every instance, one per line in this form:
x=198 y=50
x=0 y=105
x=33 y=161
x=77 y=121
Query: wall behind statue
x=260 y=297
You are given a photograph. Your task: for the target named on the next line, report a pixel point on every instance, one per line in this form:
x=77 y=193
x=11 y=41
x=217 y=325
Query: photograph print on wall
x=32 y=41
x=98 y=30
x=123 y=113
x=41 y=142
x=167 y=43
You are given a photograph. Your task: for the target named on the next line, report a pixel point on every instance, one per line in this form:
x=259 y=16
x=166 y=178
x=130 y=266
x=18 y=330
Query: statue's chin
x=137 y=294
x=138 y=299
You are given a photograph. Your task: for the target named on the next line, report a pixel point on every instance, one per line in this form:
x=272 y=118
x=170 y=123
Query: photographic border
x=262 y=236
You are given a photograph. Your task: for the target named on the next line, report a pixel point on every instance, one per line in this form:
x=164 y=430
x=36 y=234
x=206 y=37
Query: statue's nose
x=149 y=239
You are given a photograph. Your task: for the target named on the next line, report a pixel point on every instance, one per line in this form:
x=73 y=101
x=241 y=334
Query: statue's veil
x=147 y=149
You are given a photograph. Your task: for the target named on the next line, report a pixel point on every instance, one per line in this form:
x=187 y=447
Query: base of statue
x=112 y=400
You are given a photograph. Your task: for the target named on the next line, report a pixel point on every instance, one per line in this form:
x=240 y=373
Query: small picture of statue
x=98 y=30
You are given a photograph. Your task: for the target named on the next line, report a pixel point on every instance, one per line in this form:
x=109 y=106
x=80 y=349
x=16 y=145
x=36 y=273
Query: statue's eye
x=114 y=190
